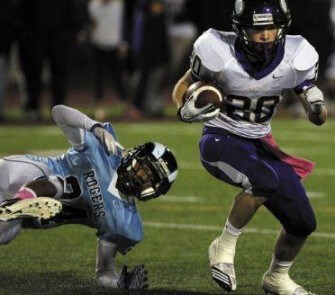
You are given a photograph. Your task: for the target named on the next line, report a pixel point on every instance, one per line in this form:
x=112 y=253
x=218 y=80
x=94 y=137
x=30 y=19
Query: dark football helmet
x=147 y=171
x=260 y=14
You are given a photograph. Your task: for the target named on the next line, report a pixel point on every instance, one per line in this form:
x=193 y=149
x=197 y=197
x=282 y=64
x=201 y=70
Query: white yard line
x=47 y=153
x=307 y=151
x=304 y=136
x=195 y=199
x=188 y=165
x=181 y=199
x=324 y=172
x=316 y=195
x=202 y=227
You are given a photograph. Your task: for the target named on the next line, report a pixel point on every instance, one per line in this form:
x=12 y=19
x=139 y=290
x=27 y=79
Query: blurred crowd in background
x=129 y=52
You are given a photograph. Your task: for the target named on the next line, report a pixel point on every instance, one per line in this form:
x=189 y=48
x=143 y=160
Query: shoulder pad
x=212 y=48
x=305 y=57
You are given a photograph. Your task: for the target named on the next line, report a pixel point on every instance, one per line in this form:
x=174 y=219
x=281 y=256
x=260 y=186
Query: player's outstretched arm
x=73 y=123
x=107 y=276
x=313 y=102
x=105 y=264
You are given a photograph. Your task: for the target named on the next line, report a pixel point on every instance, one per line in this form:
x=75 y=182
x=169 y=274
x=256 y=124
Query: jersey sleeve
x=122 y=225
x=206 y=59
x=74 y=124
x=305 y=64
x=92 y=143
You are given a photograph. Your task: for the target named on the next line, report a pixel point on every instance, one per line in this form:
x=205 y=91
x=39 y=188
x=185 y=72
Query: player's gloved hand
x=189 y=113
x=136 y=279
x=107 y=140
x=315 y=100
x=316 y=107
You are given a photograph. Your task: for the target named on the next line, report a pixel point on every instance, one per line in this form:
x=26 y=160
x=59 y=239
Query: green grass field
x=179 y=226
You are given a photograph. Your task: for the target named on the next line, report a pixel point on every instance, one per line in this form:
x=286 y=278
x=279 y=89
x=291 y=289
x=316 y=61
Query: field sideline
x=179 y=226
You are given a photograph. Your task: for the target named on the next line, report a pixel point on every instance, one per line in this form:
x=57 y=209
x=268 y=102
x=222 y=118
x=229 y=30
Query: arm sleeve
x=198 y=69
x=73 y=124
x=105 y=264
x=306 y=66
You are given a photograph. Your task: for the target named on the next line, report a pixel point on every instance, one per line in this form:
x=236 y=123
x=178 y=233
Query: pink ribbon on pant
x=302 y=167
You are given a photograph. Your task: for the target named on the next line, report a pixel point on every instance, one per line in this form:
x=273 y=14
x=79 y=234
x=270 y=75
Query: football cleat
x=222 y=268
x=282 y=285
x=40 y=208
x=224 y=275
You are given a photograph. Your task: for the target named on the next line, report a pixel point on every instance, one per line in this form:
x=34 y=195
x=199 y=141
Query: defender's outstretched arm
x=107 y=276
x=73 y=124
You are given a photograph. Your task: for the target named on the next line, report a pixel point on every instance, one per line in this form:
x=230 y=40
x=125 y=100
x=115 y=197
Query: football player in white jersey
x=94 y=184
x=253 y=66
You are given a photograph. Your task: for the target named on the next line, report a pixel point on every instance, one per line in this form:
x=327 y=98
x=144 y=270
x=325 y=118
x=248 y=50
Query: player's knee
x=302 y=228
x=264 y=181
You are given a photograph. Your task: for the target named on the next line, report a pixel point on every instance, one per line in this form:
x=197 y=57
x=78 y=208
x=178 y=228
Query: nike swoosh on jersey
x=277 y=77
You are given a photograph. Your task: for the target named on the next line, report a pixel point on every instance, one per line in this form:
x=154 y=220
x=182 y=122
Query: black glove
x=137 y=279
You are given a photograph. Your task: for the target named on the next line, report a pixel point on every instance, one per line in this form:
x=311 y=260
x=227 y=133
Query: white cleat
x=223 y=273
x=282 y=285
x=40 y=208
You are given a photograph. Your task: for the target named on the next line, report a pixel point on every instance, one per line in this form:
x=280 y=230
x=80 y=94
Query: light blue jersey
x=116 y=219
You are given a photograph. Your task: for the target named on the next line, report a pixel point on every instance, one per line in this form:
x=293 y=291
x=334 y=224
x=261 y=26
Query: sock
x=25 y=193
x=231 y=229
x=278 y=267
x=224 y=249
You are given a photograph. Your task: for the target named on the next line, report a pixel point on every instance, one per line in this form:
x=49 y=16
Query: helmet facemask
x=144 y=176
x=261 y=52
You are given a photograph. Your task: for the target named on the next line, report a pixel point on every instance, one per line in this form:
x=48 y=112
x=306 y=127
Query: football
x=204 y=93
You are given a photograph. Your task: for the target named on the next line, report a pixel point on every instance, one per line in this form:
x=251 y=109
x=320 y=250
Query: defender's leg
x=15 y=173
x=40 y=208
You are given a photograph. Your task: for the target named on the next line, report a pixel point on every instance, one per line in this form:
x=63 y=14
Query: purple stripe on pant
x=245 y=163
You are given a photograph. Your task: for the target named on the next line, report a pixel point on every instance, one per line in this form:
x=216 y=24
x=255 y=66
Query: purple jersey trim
x=247 y=66
x=303 y=86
